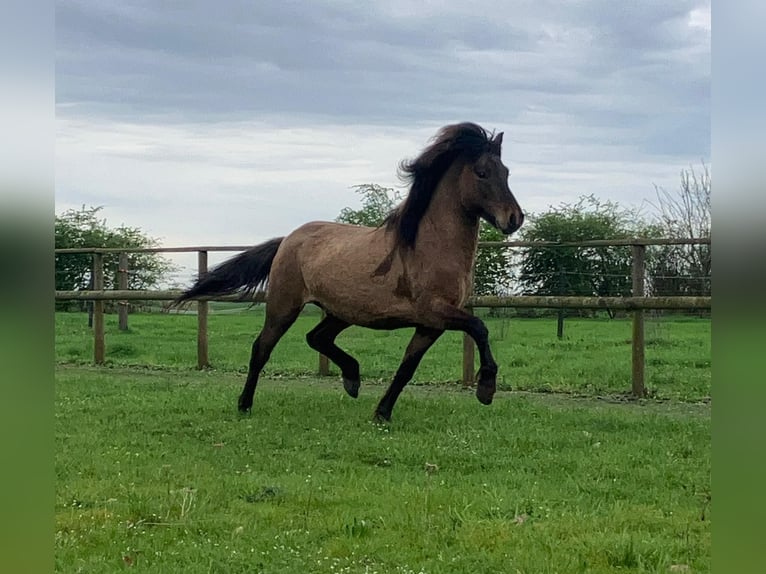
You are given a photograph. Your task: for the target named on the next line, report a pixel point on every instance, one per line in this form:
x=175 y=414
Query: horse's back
x=335 y=266
x=325 y=243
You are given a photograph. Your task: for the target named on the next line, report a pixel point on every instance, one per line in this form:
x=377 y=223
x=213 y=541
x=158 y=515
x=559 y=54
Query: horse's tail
x=245 y=272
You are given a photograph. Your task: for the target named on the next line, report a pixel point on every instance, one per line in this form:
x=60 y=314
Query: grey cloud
x=617 y=65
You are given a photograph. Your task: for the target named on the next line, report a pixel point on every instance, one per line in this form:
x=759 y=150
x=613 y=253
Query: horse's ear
x=497 y=143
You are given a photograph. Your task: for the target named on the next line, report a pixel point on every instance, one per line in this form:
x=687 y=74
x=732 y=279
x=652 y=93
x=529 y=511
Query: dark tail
x=246 y=272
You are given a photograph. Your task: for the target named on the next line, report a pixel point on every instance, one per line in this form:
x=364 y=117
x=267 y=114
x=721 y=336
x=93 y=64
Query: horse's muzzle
x=514 y=223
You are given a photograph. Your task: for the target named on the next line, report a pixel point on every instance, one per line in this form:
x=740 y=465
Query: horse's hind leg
x=322 y=339
x=420 y=343
x=277 y=322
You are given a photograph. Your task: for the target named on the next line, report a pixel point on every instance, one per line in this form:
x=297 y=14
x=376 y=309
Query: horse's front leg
x=449 y=317
x=420 y=343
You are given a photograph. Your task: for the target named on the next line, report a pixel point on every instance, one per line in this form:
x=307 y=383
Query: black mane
x=466 y=141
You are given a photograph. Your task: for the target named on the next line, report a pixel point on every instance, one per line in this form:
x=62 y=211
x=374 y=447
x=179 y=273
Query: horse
x=414 y=270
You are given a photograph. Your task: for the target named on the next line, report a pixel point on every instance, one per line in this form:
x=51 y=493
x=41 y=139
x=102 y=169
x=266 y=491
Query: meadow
x=157 y=472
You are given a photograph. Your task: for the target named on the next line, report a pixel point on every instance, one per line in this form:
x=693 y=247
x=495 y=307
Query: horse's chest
x=449 y=286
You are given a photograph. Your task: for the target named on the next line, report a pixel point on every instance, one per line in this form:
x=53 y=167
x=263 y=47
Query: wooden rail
x=637 y=303
x=503 y=244
x=488 y=301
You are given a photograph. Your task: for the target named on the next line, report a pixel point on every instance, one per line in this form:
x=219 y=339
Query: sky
x=212 y=123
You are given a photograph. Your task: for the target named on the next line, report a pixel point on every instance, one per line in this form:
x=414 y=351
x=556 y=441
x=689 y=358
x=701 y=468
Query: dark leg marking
x=322 y=339
x=458 y=320
x=420 y=343
x=272 y=332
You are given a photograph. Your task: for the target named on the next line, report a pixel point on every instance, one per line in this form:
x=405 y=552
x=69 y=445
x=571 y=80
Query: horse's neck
x=447 y=232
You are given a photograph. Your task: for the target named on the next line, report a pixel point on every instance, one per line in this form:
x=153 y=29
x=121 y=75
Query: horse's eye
x=481 y=174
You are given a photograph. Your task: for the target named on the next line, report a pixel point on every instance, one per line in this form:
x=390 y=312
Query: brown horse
x=415 y=270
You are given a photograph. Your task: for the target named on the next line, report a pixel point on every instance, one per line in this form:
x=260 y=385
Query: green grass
x=157 y=473
x=594 y=357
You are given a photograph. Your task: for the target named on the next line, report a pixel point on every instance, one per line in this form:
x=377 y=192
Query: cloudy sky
x=233 y=122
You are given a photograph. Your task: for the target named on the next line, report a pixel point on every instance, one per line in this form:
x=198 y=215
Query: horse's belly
x=365 y=303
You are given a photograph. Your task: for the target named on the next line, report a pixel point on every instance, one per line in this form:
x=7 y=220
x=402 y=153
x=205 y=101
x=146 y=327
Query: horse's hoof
x=381 y=418
x=243 y=407
x=351 y=386
x=485 y=394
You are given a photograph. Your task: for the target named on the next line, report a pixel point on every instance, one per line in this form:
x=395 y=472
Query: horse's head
x=485 y=192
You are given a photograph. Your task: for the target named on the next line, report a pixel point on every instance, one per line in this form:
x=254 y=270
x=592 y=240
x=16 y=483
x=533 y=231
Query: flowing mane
x=466 y=141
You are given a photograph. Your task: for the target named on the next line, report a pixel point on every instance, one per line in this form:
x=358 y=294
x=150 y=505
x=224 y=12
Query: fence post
x=469 y=350
x=639 y=267
x=324 y=366
x=98 y=310
x=560 y=322
x=89 y=304
x=202 y=309
x=122 y=283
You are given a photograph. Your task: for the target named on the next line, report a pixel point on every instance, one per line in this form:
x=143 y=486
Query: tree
x=78 y=228
x=685 y=213
x=377 y=203
x=491 y=272
x=584 y=271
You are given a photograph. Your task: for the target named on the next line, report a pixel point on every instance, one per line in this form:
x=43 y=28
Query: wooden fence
x=637 y=303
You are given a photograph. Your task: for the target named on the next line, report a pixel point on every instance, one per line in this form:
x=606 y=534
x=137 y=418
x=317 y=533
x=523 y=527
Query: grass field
x=157 y=473
x=594 y=357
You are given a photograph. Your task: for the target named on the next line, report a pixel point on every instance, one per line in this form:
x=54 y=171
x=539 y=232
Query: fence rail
x=637 y=303
x=589 y=243
x=488 y=301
